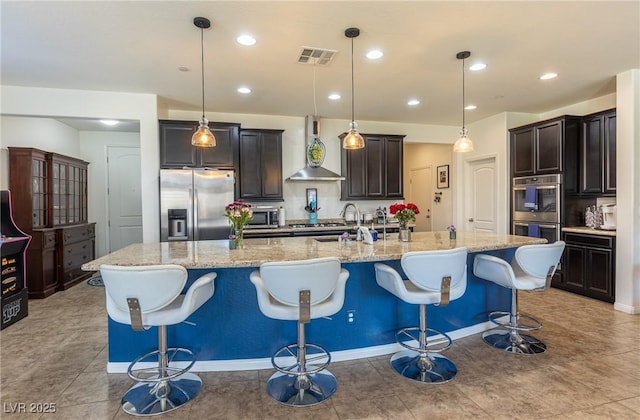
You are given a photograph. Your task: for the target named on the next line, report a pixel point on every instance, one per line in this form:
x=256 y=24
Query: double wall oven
x=536 y=206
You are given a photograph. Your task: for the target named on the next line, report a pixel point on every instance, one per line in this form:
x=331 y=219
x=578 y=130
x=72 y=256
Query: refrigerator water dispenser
x=177 y=224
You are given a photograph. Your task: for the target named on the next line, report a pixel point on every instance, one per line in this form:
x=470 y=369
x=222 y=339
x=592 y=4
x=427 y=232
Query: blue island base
x=230 y=332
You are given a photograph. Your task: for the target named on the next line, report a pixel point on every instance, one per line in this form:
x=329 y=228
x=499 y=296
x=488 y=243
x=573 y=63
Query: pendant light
x=203 y=137
x=464 y=143
x=353 y=140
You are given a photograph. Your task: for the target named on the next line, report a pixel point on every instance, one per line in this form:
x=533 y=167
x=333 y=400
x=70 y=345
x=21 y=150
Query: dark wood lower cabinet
x=55 y=257
x=589 y=266
x=41 y=263
x=76 y=246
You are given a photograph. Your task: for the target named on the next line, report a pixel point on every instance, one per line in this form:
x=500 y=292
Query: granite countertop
x=216 y=254
x=589 y=231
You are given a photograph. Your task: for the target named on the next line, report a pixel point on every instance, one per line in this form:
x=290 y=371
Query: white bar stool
x=301 y=291
x=532 y=268
x=434 y=277
x=148 y=296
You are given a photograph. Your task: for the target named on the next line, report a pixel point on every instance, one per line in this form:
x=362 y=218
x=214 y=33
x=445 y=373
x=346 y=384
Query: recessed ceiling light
x=413 y=102
x=548 y=76
x=244 y=89
x=109 y=122
x=246 y=39
x=334 y=96
x=477 y=66
x=374 y=54
x=470 y=107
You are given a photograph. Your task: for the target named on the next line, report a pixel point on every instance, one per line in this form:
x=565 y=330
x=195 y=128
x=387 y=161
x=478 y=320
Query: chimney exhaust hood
x=314 y=156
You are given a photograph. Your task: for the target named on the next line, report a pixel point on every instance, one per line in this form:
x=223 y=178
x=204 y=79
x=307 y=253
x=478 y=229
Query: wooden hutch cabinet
x=49 y=192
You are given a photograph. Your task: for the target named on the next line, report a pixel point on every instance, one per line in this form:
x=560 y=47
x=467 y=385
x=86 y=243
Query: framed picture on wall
x=443 y=176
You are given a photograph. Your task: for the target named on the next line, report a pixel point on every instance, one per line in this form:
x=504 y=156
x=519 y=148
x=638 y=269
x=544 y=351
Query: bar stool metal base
x=298 y=384
x=302 y=390
x=512 y=342
x=152 y=398
x=426 y=368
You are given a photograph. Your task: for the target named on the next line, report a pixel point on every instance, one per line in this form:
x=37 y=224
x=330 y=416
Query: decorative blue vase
x=313 y=218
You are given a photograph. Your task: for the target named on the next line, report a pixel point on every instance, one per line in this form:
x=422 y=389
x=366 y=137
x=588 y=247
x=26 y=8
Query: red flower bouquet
x=405 y=213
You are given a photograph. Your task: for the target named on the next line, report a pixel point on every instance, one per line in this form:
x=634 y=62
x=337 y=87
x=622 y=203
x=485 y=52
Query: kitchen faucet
x=343 y=213
x=384 y=221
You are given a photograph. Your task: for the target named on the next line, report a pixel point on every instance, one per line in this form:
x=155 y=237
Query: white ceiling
x=138 y=46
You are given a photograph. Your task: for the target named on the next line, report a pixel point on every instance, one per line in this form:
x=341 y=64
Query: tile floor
x=591 y=371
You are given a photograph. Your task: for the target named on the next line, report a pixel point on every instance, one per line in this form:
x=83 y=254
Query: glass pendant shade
x=203 y=137
x=353 y=140
x=464 y=143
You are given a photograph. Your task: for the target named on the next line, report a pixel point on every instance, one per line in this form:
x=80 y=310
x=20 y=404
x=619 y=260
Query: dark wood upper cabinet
x=548 y=146
x=540 y=148
x=522 y=151
x=592 y=154
x=597 y=165
x=260 y=169
x=610 y=152
x=374 y=172
x=176 y=150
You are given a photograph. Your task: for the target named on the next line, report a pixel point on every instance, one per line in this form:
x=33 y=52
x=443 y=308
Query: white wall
x=41 y=133
x=422 y=155
x=628 y=193
x=93 y=146
x=490 y=139
x=601 y=103
x=44 y=102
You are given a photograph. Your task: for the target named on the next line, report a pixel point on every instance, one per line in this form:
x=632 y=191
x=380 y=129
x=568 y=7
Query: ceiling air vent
x=319 y=56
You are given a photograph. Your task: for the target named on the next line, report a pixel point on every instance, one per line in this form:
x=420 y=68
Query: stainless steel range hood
x=311 y=172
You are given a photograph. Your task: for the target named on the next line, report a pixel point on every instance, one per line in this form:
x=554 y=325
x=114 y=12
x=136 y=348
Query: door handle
x=471 y=219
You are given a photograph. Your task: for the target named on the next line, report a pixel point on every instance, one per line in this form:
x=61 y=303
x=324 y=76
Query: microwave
x=263 y=217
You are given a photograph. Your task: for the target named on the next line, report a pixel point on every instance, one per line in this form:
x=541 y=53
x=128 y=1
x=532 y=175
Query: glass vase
x=452 y=234
x=405 y=234
x=239 y=237
x=236 y=238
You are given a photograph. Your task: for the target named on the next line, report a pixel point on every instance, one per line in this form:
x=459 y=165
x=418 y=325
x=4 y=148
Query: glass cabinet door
x=39 y=192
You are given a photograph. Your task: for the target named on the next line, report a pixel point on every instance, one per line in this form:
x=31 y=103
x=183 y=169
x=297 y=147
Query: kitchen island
x=230 y=332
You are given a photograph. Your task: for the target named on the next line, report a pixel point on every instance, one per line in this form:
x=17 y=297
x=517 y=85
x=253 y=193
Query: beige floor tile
x=632 y=403
x=58 y=354
x=613 y=411
x=557 y=390
x=38 y=390
x=598 y=376
x=501 y=397
x=93 y=411
x=378 y=408
x=91 y=387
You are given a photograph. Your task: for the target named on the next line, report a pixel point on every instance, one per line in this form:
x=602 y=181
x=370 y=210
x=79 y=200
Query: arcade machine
x=13 y=244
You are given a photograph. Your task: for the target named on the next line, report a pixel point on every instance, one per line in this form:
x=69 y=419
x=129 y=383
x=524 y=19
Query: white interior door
x=481 y=211
x=420 y=193
x=124 y=196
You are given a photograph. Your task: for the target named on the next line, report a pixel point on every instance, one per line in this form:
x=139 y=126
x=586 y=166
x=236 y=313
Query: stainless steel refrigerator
x=192 y=203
